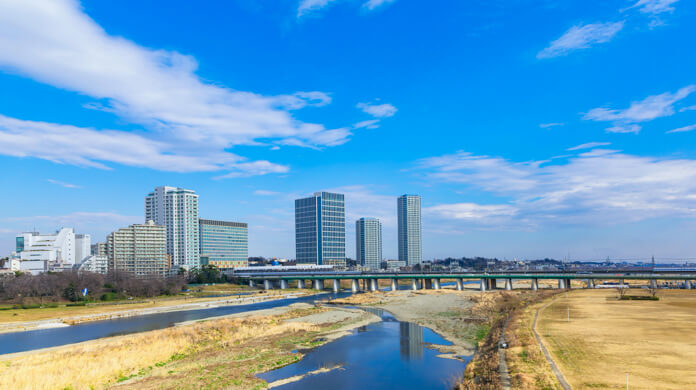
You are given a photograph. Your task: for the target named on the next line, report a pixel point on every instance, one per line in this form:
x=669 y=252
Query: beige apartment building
x=140 y=250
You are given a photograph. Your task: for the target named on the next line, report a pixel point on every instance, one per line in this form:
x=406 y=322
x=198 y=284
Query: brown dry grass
x=606 y=338
x=101 y=363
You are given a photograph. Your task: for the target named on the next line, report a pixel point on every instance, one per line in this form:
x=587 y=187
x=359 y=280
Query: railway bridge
x=485 y=280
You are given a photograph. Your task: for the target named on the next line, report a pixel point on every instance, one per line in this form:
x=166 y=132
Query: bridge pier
x=374 y=284
x=318 y=284
x=562 y=284
x=414 y=284
x=590 y=283
x=267 y=284
x=508 y=284
x=460 y=284
x=687 y=284
x=300 y=284
x=653 y=283
x=484 y=284
x=427 y=284
x=394 y=285
x=492 y=284
x=436 y=284
x=336 y=285
x=283 y=284
x=535 y=284
x=355 y=285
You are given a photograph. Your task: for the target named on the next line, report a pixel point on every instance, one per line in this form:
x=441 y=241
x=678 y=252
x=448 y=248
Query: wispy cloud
x=548 y=125
x=63 y=184
x=589 y=145
x=581 y=37
x=308 y=6
x=184 y=116
x=597 y=187
x=652 y=107
x=654 y=7
x=682 y=129
x=368 y=124
x=689 y=108
x=266 y=193
x=378 y=110
x=66 y=144
x=372 y=4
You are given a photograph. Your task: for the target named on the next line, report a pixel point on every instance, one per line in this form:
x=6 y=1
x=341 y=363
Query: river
x=389 y=354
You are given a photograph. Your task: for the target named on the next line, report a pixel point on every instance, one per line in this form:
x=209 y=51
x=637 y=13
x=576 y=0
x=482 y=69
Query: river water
x=43 y=338
x=385 y=355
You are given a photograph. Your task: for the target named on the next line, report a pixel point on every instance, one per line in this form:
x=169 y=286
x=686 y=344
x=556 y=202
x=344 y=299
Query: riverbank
x=15 y=320
x=447 y=312
x=215 y=353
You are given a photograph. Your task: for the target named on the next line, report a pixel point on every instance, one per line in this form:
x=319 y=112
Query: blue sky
x=530 y=128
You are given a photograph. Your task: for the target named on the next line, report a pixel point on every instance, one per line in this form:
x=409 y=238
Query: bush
x=77 y=304
x=639 y=298
x=109 y=296
x=32 y=306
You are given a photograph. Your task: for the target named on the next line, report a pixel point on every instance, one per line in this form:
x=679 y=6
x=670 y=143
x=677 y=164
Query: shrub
x=77 y=304
x=109 y=296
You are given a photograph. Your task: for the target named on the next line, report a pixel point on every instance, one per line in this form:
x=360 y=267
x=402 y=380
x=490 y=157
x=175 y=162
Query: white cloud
x=372 y=4
x=547 y=125
x=472 y=212
x=378 y=110
x=56 y=43
x=689 y=108
x=308 y=6
x=581 y=37
x=595 y=188
x=368 y=124
x=589 y=145
x=652 y=107
x=63 y=184
x=87 y=147
x=266 y=193
x=683 y=129
x=654 y=7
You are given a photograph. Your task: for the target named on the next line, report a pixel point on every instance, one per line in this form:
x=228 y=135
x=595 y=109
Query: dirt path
x=552 y=363
x=502 y=362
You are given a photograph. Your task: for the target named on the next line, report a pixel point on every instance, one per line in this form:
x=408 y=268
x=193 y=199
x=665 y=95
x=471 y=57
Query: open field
x=606 y=338
x=215 y=354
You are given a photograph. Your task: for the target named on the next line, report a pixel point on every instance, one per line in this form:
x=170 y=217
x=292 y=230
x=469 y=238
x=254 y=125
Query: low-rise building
x=48 y=252
x=94 y=263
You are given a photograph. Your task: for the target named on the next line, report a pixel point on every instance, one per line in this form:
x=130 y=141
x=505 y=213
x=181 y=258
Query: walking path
x=502 y=362
x=554 y=367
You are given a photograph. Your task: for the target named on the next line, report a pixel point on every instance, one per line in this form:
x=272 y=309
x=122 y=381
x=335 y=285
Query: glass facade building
x=320 y=229
x=368 y=242
x=408 y=209
x=224 y=244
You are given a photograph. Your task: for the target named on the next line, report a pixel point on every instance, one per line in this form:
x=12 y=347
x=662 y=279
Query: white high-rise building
x=177 y=210
x=408 y=209
x=368 y=242
x=63 y=248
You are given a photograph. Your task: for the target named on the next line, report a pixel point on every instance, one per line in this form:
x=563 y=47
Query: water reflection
x=385 y=355
x=411 y=341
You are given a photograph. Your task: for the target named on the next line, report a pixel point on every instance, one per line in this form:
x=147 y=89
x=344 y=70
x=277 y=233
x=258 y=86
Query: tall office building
x=409 y=225
x=140 y=250
x=177 y=210
x=368 y=242
x=224 y=244
x=320 y=229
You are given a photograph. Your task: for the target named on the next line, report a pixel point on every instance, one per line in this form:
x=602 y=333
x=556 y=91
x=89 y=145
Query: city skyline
x=573 y=139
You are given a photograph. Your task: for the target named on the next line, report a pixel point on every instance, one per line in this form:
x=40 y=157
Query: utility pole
x=626 y=381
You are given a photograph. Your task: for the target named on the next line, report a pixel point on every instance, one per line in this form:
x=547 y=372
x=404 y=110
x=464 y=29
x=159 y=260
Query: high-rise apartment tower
x=409 y=226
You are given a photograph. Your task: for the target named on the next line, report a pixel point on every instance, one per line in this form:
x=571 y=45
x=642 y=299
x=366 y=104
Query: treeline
x=69 y=285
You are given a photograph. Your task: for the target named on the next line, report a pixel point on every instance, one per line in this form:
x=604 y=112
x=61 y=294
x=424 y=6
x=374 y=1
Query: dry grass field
x=183 y=357
x=652 y=341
